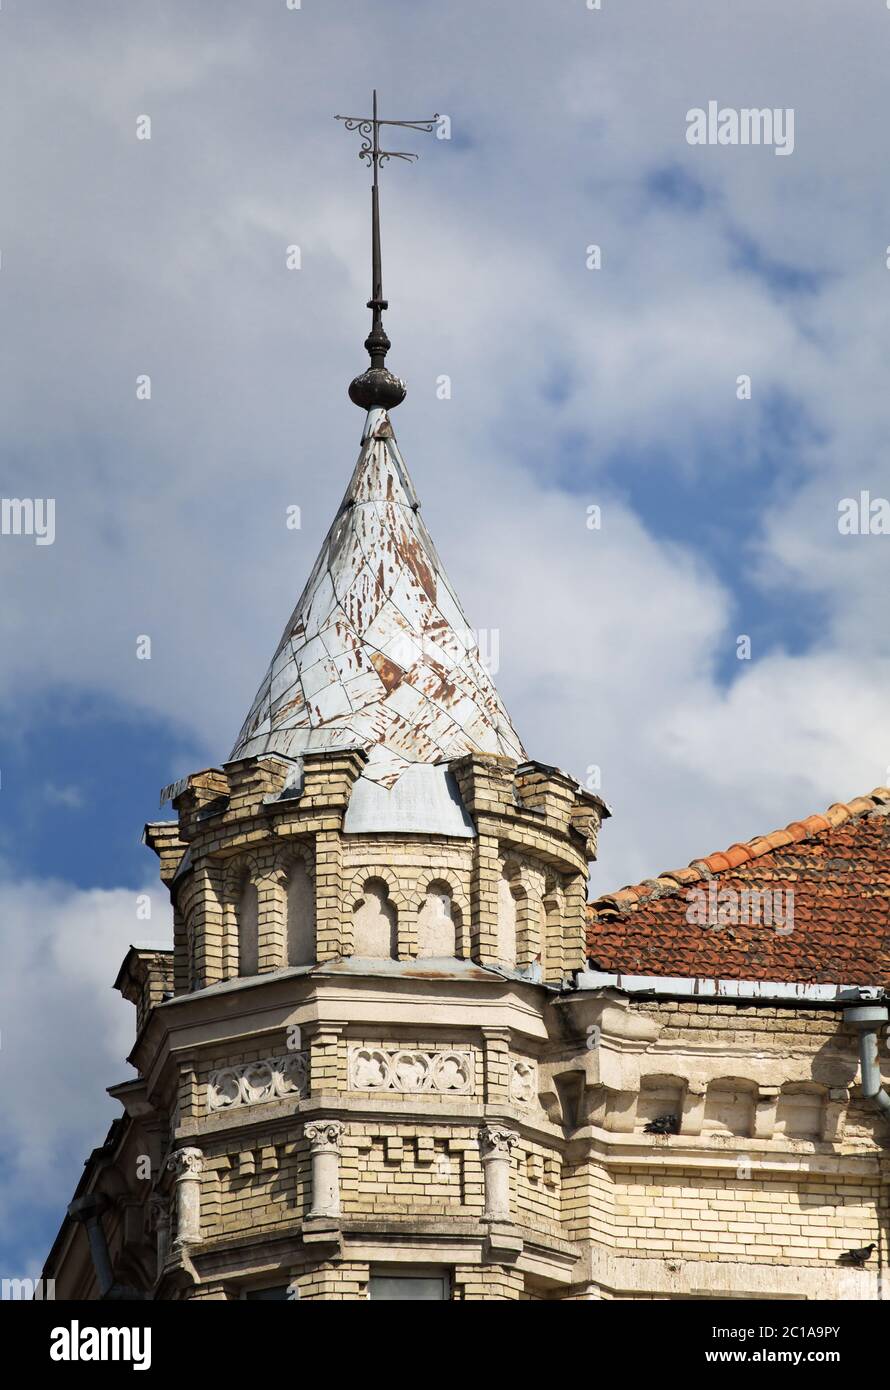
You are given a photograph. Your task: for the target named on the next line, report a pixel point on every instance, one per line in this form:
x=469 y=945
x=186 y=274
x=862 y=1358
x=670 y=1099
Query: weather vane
x=377 y=386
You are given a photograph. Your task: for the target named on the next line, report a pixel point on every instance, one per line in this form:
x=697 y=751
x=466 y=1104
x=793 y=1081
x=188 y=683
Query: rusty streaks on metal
x=378 y=652
x=387 y=670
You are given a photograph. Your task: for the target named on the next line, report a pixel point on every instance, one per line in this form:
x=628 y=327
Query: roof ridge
x=671 y=881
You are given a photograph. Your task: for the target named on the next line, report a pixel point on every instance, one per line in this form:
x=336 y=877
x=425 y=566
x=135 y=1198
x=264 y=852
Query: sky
x=569 y=388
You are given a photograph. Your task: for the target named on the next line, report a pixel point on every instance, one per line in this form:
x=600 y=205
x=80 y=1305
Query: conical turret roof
x=378 y=653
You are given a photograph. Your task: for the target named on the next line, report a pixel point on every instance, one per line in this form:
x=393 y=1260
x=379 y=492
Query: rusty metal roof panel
x=378 y=653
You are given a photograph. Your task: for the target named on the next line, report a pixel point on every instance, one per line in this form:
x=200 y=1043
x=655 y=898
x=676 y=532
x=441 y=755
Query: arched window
x=300 y=915
x=436 y=928
x=248 y=929
x=375 y=923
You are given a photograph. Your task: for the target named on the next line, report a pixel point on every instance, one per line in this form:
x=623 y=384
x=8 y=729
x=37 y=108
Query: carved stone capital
x=324 y=1136
x=186 y=1163
x=496 y=1141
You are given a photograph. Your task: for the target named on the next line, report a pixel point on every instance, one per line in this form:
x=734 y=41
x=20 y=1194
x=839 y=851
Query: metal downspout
x=867 y=1020
x=88 y=1211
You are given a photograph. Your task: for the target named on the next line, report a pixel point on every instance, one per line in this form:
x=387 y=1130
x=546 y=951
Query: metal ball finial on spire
x=377 y=386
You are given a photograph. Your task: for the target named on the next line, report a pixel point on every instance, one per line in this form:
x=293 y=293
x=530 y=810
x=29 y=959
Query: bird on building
x=663 y=1124
x=858 y=1257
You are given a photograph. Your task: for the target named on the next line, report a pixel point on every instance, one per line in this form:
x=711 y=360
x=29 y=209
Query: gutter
x=711 y=987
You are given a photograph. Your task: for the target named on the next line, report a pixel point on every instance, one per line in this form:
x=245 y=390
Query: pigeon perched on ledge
x=663 y=1124
x=857 y=1257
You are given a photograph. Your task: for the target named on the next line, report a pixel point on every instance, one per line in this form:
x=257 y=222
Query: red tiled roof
x=838 y=866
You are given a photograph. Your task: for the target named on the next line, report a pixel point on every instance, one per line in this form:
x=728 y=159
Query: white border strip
x=700 y=987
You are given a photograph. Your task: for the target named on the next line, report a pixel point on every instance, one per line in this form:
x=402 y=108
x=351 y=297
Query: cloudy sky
x=571 y=388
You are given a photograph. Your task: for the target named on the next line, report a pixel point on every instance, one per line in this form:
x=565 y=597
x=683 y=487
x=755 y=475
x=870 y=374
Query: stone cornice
x=325 y=996
x=374 y=1238
x=561 y=852
x=718 y=1153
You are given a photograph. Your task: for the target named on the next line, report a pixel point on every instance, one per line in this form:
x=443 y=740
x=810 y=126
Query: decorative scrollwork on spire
x=377 y=386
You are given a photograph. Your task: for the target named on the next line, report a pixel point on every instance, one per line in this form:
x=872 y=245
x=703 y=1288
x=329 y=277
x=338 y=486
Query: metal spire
x=377 y=386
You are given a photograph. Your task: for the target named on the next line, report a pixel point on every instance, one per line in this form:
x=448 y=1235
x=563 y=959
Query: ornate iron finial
x=377 y=386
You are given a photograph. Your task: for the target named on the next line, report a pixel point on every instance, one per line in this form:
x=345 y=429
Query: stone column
x=694 y=1108
x=621 y=1111
x=834 y=1114
x=496 y=1143
x=765 y=1112
x=187 y=1165
x=324 y=1153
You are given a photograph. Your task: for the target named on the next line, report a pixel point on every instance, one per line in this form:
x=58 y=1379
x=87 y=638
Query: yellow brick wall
x=491 y=1282
x=535 y=1184
x=327 y=1059
x=698 y=1216
x=414 y=861
x=588 y=1194
x=343 y=1280
x=744 y=1026
x=260 y=1182
x=738 y=1213
x=405 y=1169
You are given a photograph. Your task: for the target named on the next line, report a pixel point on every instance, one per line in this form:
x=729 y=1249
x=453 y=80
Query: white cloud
x=170 y=515
x=64 y=1033
x=69 y=797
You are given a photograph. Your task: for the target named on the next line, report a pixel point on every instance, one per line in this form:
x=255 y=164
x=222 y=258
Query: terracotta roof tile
x=838 y=867
x=681 y=876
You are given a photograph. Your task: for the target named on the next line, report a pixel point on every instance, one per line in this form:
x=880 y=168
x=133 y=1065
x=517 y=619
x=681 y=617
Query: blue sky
x=68 y=809
x=570 y=388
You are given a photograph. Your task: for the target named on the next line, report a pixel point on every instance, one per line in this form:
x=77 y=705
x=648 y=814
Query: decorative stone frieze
x=524 y=1083
x=410 y=1071
x=254 y=1083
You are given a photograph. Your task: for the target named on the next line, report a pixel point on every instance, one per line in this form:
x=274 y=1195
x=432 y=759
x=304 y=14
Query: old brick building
x=393 y=1053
